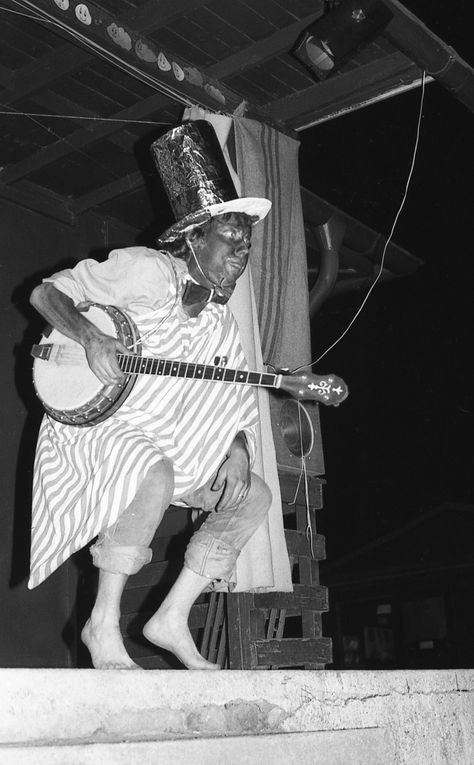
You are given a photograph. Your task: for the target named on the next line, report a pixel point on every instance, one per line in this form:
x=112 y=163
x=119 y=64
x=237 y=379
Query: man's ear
x=194 y=236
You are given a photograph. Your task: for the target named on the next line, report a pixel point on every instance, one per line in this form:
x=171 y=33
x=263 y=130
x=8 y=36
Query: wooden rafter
x=44 y=71
x=58 y=104
x=32 y=80
x=152 y=15
x=80 y=138
x=345 y=92
x=129 y=182
x=280 y=42
x=7 y=77
x=33 y=198
x=68 y=59
x=137 y=54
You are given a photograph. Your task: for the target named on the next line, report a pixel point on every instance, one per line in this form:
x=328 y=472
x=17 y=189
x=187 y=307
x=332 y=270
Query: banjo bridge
x=61 y=354
x=42 y=351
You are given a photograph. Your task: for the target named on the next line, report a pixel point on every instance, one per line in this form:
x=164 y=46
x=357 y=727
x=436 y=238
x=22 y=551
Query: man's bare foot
x=105 y=646
x=169 y=630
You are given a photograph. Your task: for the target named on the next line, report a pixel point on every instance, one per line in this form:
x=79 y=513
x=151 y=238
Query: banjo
x=71 y=393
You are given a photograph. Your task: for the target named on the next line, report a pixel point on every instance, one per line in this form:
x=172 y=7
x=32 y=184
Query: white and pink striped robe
x=85 y=477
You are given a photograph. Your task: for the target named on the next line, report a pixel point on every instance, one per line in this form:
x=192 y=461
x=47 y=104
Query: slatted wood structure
x=81 y=102
x=281 y=630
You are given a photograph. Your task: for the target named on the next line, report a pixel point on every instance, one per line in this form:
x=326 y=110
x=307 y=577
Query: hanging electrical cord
x=303 y=475
x=382 y=260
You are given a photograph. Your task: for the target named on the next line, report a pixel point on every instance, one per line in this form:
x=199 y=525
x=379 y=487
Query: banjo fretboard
x=143 y=365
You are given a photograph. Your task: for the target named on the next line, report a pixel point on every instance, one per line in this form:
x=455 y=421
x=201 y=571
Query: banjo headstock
x=327 y=389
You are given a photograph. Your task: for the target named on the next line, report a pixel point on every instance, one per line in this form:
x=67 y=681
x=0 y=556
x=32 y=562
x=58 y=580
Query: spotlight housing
x=340 y=33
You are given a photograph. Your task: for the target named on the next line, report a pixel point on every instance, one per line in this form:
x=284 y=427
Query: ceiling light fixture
x=340 y=33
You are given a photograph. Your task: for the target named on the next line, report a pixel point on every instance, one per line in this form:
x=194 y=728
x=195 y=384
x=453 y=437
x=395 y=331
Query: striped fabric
x=85 y=477
x=267 y=163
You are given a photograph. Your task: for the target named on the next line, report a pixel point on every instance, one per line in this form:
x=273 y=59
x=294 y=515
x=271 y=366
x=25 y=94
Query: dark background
x=401 y=443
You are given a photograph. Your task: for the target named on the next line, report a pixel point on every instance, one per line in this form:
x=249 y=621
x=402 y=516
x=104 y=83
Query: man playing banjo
x=188 y=442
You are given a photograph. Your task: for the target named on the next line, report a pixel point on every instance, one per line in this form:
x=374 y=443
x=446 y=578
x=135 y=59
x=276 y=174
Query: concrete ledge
x=359 y=747
x=424 y=717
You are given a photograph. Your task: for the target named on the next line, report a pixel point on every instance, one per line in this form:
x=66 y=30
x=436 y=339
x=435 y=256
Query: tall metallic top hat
x=197 y=180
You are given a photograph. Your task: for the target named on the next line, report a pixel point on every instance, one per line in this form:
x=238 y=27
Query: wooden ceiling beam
x=37 y=199
x=80 y=138
x=7 y=78
x=155 y=15
x=137 y=54
x=347 y=92
x=130 y=182
x=150 y=17
x=278 y=43
x=69 y=58
x=410 y=35
x=45 y=70
x=65 y=59
x=57 y=105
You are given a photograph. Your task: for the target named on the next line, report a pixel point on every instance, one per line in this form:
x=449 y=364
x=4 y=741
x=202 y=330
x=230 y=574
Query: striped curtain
x=267 y=165
x=263 y=564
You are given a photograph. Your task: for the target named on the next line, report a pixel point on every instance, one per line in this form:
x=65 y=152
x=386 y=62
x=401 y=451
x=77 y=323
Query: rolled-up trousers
x=212 y=551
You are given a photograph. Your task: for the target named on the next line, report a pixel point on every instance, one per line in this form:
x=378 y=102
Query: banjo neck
x=142 y=365
x=327 y=389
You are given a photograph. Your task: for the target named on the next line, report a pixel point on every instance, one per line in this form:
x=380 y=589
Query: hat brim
x=257 y=207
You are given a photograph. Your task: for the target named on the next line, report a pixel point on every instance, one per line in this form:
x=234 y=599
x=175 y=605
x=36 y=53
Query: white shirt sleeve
x=135 y=278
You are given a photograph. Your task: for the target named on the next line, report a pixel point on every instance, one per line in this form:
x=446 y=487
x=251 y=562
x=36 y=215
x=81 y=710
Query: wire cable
x=382 y=260
x=44 y=16
x=77 y=117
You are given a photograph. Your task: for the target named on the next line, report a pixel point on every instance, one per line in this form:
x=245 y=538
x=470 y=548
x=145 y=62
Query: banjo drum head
x=65 y=382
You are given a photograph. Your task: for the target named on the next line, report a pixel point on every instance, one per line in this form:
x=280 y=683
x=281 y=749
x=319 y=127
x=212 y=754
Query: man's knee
x=137 y=523
x=156 y=491
x=160 y=477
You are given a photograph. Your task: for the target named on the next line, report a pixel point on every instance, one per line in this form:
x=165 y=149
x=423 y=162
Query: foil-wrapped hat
x=196 y=179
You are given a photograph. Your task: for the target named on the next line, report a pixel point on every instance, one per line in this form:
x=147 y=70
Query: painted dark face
x=223 y=251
